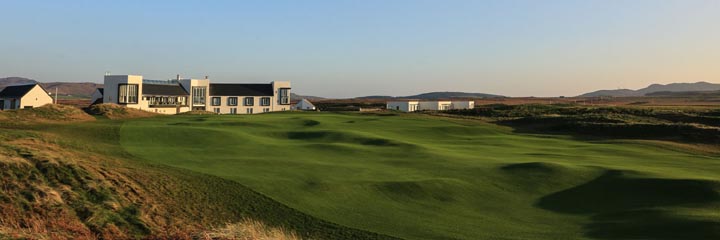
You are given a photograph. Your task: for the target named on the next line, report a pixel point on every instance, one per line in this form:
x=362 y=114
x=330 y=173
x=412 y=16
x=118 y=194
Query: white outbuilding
x=305 y=105
x=435 y=105
x=404 y=105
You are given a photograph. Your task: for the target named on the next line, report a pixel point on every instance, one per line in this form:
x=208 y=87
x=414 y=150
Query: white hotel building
x=182 y=95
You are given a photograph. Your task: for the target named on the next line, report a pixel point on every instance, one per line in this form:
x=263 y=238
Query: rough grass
x=49 y=113
x=423 y=177
x=114 y=111
x=74 y=181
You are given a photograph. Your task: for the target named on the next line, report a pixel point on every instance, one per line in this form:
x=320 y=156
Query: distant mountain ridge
x=437 y=95
x=75 y=89
x=672 y=87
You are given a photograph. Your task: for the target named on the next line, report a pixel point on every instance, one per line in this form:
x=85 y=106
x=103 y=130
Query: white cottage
x=24 y=96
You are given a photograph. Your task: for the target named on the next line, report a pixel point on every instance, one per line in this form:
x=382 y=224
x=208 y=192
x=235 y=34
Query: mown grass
x=73 y=180
x=423 y=177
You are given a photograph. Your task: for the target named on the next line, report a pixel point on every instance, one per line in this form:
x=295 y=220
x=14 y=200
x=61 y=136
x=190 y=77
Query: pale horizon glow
x=357 y=48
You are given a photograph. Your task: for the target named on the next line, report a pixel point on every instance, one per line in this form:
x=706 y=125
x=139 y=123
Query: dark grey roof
x=163 y=90
x=101 y=90
x=16 y=91
x=245 y=89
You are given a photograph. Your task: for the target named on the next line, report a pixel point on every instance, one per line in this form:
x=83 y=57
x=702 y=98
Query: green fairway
x=422 y=177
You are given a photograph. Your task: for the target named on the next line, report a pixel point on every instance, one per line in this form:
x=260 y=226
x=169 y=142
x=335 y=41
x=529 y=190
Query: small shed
x=305 y=105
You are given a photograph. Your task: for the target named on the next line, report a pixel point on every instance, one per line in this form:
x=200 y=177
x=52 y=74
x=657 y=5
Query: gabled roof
x=305 y=102
x=245 y=89
x=163 y=90
x=17 y=91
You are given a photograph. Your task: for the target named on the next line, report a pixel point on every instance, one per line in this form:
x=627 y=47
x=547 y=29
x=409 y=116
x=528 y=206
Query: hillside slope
x=673 y=87
x=67 y=180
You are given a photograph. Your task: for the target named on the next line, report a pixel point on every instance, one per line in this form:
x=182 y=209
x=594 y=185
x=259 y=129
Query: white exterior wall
x=303 y=105
x=444 y=105
x=405 y=106
x=463 y=104
x=188 y=84
x=224 y=108
x=111 y=96
x=36 y=97
x=111 y=90
x=275 y=104
x=429 y=105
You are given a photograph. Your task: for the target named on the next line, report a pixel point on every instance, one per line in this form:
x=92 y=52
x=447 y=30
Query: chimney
x=206 y=77
x=178 y=77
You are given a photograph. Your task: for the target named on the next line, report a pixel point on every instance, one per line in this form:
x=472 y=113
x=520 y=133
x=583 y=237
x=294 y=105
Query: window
x=265 y=101
x=284 y=96
x=266 y=110
x=249 y=101
x=249 y=110
x=216 y=110
x=413 y=107
x=233 y=110
x=232 y=101
x=216 y=101
x=128 y=93
x=198 y=95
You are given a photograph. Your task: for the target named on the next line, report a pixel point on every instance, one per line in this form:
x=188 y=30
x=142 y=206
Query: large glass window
x=265 y=101
x=232 y=101
x=128 y=93
x=249 y=101
x=284 y=95
x=198 y=95
x=216 y=101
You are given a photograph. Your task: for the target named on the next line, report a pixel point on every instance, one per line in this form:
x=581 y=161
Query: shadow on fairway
x=626 y=207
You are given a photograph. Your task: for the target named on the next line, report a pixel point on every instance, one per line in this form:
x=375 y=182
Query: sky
x=342 y=48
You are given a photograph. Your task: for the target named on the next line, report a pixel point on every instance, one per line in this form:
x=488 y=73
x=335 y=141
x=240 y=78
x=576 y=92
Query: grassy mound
x=423 y=177
x=114 y=111
x=70 y=181
x=45 y=114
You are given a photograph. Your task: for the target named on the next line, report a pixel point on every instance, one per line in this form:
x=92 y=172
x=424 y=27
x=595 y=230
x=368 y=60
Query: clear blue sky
x=339 y=48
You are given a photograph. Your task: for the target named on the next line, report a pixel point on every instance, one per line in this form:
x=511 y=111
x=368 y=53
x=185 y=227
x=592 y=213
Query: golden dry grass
x=39 y=201
x=114 y=111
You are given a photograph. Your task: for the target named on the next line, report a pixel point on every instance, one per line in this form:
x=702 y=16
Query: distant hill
x=438 y=95
x=673 y=87
x=10 y=81
x=71 y=89
x=294 y=97
x=685 y=94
